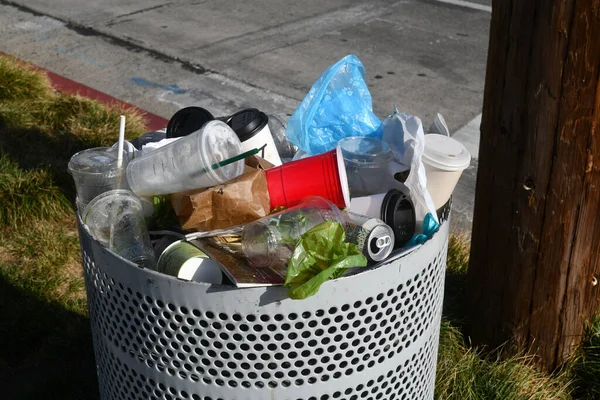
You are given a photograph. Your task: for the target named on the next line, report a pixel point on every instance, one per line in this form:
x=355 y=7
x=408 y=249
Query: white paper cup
x=263 y=140
x=444 y=159
x=252 y=128
x=393 y=207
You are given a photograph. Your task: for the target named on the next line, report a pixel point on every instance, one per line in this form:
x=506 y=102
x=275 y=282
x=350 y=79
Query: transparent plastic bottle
x=271 y=240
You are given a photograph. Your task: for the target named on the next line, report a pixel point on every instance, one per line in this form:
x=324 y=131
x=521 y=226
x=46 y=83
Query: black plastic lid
x=187 y=120
x=248 y=122
x=398 y=211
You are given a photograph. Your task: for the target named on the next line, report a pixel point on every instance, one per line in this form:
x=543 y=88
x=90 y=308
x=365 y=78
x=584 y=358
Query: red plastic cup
x=323 y=175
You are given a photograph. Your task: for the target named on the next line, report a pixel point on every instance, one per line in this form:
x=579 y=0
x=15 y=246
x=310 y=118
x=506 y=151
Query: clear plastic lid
x=445 y=153
x=97 y=160
x=365 y=150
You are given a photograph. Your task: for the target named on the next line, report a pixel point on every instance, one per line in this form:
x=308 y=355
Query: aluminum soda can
x=372 y=236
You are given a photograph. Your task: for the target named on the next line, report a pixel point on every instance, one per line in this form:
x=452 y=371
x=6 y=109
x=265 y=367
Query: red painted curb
x=66 y=85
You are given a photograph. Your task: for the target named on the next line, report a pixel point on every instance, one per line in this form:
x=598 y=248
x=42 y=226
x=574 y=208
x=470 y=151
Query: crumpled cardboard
x=239 y=201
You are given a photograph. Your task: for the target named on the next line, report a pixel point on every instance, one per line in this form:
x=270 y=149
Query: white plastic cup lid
x=445 y=153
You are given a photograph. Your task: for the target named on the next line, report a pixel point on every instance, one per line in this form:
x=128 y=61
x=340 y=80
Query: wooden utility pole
x=535 y=256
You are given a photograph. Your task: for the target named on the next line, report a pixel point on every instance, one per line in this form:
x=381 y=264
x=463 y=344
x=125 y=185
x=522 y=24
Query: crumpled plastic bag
x=439 y=125
x=321 y=254
x=404 y=134
x=338 y=105
x=430 y=226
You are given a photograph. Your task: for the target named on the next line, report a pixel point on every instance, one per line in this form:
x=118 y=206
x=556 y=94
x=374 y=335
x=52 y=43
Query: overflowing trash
x=246 y=200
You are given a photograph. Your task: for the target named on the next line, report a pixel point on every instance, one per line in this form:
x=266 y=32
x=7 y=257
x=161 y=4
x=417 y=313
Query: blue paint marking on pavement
x=62 y=50
x=41 y=38
x=175 y=89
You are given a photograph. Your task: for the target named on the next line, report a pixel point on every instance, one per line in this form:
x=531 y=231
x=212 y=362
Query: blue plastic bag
x=338 y=105
x=430 y=226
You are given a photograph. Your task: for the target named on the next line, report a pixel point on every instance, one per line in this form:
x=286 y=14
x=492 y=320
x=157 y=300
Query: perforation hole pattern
x=410 y=380
x=203 y=348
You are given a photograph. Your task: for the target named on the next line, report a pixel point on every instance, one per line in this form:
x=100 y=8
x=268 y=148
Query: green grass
x=585 y=366
x=46 y=344
x=456 y=280
x=18 y=83
x=468 y=373
x=43 y=259
x=46 y=349
x=44 y=329
x=27 y=195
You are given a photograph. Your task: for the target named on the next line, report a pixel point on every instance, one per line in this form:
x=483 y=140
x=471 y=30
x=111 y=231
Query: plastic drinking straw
x=121 y=142
x=230 y=160
x=119 y=166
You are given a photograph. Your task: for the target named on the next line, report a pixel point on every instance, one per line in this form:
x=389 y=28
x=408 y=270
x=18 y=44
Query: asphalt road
x=425 y=56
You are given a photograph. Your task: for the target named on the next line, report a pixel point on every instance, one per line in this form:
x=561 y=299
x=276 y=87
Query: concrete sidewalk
x=426 y=56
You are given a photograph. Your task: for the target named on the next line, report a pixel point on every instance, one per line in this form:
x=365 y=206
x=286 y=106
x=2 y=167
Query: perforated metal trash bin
x=373 y=335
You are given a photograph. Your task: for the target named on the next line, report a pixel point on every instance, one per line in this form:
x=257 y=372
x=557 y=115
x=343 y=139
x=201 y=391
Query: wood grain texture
x=536 y=231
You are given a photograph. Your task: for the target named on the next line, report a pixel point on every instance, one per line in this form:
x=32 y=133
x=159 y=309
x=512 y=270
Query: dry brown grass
x=20 y=83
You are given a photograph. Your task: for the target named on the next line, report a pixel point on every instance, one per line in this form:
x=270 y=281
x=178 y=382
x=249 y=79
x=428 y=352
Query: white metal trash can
x=373 y=335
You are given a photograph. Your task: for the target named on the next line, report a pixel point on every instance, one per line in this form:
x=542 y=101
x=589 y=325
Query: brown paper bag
x=242 y=200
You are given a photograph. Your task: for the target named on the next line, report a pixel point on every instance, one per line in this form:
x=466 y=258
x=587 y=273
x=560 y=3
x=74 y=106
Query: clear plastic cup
x=96 y=171
x=367 y=162
x=271 y=240
x=116 y=220
x=191 y=162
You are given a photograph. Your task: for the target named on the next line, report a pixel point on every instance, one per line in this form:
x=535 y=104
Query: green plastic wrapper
x=321 y=254
x=164 y=216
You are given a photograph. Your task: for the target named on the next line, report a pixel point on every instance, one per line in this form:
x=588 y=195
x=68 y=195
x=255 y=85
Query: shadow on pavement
x=46 y=352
